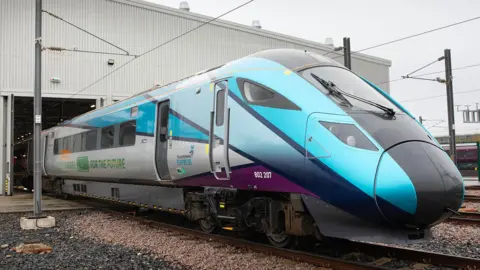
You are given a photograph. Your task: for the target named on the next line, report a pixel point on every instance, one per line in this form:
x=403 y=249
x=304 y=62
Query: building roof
x=245 y=28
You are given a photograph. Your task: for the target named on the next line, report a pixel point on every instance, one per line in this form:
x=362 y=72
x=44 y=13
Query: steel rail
x=437 y=259
x=471 y=198
x=465 y=220
x=470 y=218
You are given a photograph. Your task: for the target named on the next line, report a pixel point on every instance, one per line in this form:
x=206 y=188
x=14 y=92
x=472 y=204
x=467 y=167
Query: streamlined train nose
x=417 y=184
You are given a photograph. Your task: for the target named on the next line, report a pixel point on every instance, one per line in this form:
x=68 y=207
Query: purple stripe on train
x=254 y=178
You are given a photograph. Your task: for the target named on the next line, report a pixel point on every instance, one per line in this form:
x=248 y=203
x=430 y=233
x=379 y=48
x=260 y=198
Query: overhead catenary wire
x=59 y=49
x=83 y=30
x=334 y=50
x=427 y=65
x=432 y=120
x=442 y=71
x=437 y=96
x=436 y=124
x=430 y=73
x=157 y=47
x=414 y=35
x=425 y=79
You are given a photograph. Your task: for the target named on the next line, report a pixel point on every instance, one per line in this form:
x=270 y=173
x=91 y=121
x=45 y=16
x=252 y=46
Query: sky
x=372 y=22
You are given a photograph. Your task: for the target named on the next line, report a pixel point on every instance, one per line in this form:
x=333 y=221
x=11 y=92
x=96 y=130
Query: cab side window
x=257 y=94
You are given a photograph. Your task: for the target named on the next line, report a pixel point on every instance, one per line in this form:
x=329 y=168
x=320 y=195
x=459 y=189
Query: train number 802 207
x=262 y=174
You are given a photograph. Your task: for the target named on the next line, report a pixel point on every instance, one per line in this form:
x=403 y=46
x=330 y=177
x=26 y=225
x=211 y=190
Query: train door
x=219 y=132
x=161 y=151
x=314 y=134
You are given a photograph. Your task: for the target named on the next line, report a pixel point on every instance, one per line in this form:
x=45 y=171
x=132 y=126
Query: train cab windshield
x=357 y=94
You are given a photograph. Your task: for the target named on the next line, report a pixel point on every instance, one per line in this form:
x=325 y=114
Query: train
x=467 y=158
x=287 y=143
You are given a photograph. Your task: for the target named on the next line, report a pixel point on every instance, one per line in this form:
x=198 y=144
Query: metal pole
x=37 y=108
x=478 y=160
x=420 y=119
x=347 y=53
x=3 y=143
x=451 y=113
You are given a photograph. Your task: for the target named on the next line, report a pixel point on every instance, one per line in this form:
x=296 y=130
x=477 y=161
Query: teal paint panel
x=394 y=185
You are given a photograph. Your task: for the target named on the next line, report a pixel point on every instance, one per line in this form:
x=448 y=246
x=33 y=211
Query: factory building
x=84 y=40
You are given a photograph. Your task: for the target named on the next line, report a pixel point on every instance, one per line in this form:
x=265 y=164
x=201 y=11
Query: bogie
x=279 y=219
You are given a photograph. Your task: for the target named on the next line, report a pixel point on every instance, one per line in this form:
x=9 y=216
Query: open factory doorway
x=54 y=112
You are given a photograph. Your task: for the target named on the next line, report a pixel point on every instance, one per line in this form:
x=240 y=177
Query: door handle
x=311 y=140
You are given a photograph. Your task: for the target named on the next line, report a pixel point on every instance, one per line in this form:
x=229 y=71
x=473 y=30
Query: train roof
x=293 y=59
x=296 y=59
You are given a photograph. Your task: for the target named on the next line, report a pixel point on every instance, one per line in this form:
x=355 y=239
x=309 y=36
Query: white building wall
x=136 y=27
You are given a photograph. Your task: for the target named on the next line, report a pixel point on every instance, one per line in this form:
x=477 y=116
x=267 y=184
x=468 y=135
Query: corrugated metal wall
x=17 y=34
x=136 y=28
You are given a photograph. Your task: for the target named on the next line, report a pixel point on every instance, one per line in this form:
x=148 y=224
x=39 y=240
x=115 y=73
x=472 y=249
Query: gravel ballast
x=471 y=206
x=453 y=239
x=174 y=247
x=88 y=239
x=69 y=251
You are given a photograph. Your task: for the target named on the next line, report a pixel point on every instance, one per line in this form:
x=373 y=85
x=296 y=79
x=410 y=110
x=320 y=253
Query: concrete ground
x=23 y=202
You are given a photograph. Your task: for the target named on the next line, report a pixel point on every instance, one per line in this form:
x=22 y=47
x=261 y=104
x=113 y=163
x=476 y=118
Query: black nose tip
x=438 y=183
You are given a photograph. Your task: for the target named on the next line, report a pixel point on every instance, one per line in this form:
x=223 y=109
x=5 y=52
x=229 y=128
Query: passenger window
x=64 y=146
x=56 y=146
x=108 y=135
x=128 y=133
x=220 y=107
x=255 y=93
x=70 y=144
x=91 y=140
x=77 y=143
x=84 y=141
x=134 y=111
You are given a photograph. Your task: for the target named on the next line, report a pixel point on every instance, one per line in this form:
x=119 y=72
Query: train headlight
x=350 y=135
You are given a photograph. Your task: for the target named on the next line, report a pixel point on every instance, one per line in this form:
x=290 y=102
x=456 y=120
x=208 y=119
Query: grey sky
x=371 y=22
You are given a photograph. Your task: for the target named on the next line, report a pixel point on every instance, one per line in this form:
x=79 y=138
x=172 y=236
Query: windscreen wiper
x=332 y=90
x=330 y=86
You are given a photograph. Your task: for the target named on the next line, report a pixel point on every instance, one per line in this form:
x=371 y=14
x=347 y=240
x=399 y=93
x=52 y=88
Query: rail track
x=300 y=256
x=470 y=218
x=383 y=254
x=471 y=198
x=431 y=258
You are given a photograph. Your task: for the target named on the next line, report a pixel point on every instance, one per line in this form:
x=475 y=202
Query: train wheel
x=208 y=226
x=280 y=240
